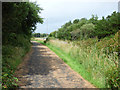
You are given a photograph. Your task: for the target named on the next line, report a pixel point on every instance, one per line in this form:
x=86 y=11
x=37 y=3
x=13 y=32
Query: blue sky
x=58 y=12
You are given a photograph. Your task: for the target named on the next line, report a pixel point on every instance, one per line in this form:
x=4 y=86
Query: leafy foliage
x=108 y=26
x=19 y=21
x=83 y=28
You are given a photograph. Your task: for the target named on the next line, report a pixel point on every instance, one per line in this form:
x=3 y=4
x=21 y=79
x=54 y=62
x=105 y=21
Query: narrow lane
x=44 y=69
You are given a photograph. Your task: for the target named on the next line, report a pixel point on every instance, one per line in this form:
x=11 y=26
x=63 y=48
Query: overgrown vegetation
x=18 y=20
x=93 y=62
x=92 y=46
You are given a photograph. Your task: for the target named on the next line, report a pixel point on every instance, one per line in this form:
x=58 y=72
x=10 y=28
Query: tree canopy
x=19 y=19
x=83 y=28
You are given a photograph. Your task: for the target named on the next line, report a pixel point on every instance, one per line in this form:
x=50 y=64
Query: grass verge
x=73 y=63
x=11 y=58
x=95 y=61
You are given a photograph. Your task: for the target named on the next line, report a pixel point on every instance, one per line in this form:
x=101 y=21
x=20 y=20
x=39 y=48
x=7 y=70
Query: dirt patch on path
x=42 y=68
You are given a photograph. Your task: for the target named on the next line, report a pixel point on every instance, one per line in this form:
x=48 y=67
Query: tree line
x=40 y=34
x=82 y=28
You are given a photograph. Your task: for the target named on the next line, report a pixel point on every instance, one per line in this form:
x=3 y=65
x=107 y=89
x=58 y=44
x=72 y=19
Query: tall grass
x=98 y=59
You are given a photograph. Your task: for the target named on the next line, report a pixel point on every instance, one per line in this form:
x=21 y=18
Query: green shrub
x=11 y=58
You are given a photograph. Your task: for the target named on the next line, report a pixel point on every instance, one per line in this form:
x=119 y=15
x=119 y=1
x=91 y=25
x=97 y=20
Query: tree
x=87 y=30
x=90 y=28
x=107 y=26
x=93 y=19
x=19 y=18
x=76 y=21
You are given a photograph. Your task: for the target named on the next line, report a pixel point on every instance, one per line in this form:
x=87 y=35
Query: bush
x=87 y=30
x=11 y=58
x=111 y=45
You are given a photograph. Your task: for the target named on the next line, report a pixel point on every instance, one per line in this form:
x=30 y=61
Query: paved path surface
x=42 y=68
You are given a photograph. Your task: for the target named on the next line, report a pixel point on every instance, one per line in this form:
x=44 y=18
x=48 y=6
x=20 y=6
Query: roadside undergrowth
x=11 y=57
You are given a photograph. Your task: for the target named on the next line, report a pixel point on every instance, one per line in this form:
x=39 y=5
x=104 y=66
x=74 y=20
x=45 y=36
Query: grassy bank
x=96 y=61
x=73 y=63
x=12 y=56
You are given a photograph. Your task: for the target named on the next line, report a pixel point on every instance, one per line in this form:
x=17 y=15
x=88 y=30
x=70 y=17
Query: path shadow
x=41 y=61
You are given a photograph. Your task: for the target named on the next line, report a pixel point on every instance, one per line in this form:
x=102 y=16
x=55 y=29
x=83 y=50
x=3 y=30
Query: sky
x=57 y=12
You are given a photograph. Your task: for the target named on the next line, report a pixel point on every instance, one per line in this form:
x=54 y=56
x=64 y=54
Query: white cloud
x=57 y=12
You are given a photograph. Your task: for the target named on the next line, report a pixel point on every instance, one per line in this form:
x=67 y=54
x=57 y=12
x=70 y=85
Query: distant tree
x=87 y=30
x=67 y=24
x=93 y=19
x=40 y=34
x=75 y=34
x=107 y=26
x=93 y=27
x=82 y=22
x=76 y=21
